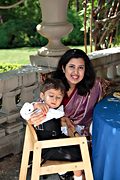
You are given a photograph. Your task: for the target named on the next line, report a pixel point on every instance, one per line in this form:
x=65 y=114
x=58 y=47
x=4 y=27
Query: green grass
x=16 y=56
x=21 y=55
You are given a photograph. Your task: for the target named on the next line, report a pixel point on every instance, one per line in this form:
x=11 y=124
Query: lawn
x=21 y=55
x=16 y=56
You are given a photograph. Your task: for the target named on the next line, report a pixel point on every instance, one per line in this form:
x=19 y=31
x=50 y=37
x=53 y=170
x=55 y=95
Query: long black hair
x=87 y=82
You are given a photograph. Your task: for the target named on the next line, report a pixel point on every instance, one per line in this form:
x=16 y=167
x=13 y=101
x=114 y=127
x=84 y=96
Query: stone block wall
x=16 y=88
x=107 y=63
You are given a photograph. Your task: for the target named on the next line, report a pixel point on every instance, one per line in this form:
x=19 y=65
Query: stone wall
x=107 y=63
x=23 y=85
x=16 y=87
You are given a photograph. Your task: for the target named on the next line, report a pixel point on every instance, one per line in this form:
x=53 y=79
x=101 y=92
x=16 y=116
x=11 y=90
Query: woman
x=83 y=90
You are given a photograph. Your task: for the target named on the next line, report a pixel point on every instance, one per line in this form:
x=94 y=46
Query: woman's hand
x=37 y=118
x=70 y=125
x=85 y=132
x=68 y=122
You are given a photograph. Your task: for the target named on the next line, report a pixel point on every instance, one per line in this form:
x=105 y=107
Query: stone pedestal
x=44 y=61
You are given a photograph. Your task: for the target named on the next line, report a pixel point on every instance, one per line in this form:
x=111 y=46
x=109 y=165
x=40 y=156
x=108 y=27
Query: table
x=106 y=139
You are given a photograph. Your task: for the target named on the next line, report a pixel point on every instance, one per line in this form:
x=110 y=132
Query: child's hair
x=52 y=83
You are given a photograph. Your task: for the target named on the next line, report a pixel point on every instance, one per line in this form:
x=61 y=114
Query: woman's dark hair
x=87 y=82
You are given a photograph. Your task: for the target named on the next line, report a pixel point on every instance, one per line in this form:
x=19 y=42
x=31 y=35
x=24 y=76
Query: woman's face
x=74 y=71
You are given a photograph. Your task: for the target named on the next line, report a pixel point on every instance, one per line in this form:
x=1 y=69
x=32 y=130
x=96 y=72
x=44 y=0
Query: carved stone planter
x=54 y=26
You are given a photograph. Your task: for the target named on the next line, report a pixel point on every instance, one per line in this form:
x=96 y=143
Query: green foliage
x=117 y=37
x=28 y=10
x=19 y=33
x=19 y=25
x=8 y=67
x=117 y=40
x=76 y=37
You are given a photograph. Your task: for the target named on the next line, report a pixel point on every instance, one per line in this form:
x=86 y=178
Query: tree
x=101 y=20
x=106 y=18
x=11 y=6
x=18 y=24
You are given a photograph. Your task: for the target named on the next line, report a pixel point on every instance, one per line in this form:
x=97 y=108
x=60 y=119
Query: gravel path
x=9 y=167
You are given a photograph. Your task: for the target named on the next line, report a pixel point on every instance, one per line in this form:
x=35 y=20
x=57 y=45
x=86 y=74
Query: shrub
x=8 y=67
x=76 y=37
x=19 y=33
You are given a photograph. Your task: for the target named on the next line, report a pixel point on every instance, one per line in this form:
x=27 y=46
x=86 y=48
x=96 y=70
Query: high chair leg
x=24 y=164
x=36 y=162
x=28 y=146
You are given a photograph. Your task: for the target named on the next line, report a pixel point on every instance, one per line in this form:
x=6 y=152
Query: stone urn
x=54 y=26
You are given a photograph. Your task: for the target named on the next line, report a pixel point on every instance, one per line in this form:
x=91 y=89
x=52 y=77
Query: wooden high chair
x=31 y=143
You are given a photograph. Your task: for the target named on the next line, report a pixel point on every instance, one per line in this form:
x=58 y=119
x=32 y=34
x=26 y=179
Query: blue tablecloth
x=106 y=139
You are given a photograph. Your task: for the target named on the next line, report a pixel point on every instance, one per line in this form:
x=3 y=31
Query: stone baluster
x=29 y=84
x=10 y=90
x=111 y=72
x=118 y=69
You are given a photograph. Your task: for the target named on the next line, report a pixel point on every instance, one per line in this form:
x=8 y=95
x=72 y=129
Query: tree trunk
x=91 y=25
x=85 y=31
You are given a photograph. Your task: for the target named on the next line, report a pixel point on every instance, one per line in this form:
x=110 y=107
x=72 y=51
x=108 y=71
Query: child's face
x=52 y=97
